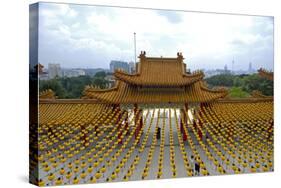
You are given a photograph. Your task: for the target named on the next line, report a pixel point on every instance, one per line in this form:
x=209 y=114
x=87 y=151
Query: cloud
x=91 y=36
x=171 y=16
x=54 y=10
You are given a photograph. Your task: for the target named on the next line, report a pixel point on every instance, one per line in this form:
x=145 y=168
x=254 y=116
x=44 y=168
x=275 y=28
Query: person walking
x=197 y=167
x=158 y=133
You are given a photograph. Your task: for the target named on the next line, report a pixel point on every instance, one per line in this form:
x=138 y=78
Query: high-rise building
x=73 y=72
x=225 y=67
x=250 y=69
x=119 y=65
x=54 y=70
x=132 y=67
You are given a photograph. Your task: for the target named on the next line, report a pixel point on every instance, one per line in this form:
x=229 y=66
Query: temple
x=150 y=125
x=157 y=80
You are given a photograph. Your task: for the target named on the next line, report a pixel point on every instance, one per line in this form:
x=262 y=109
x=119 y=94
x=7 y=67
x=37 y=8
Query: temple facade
x=157 y=80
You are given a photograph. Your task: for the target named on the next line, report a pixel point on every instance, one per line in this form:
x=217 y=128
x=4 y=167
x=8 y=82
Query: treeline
x=239 y=85
x=242 y=85
x=73 y=87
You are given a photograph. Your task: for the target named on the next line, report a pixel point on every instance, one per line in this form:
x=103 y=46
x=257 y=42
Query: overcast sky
x=91 y=36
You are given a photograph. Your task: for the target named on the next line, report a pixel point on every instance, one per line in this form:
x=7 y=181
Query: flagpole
x=135 y=47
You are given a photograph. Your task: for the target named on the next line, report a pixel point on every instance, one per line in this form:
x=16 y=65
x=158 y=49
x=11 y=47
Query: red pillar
x=182 y=119
x=186 y=106
x=199 y=130
x=139 y=123
x=136 y=119
x=141 y=120
x=119 y=135
x=184 y=136
x=127 y=122
x=186 y=110
x=182 y=124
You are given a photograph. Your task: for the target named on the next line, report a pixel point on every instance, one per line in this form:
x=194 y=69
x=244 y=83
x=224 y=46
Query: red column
x=136 y=119
x=127 y=121
x=182 y=119
x=199 y=130
x=184 y=136
x=186 y=106
x=138 y=123
x=182 y=124
x=141 y=120
x=186 y=109
x=119 y=134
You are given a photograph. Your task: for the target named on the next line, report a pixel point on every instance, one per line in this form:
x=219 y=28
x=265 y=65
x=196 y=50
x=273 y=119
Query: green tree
x=247 y=83
x=100 y=82
x=100 y=74
x=237 y=92
x=238 y=82
x=255 y=82
x=221 y=80
x=55 y=85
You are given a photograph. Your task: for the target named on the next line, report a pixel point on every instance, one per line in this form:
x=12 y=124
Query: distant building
x=54 y=70
x=132 y=67
x=119 y=65
x=250 y=69
x=92 y=72
x=225 y=67
x=73 y=72
x=209 y=73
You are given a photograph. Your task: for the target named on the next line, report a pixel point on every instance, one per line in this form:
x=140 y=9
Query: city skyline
x=79 y=36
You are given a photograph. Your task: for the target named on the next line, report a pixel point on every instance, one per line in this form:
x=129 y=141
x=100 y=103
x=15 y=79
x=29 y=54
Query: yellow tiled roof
x=60 y=112
x=124 y=93
x=152 y=71
x=258 y=94
x=47 y=94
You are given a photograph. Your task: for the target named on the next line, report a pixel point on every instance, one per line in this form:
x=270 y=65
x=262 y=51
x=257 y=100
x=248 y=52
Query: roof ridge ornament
x=180 y=56
x=142 y=55
x=47 y=94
